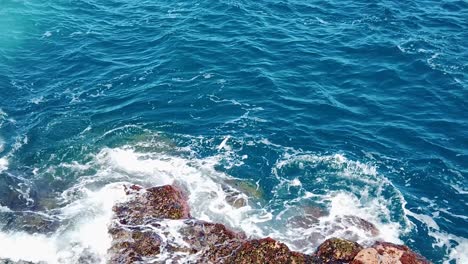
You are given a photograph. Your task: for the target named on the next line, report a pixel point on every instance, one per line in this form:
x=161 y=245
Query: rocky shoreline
x=155 y=224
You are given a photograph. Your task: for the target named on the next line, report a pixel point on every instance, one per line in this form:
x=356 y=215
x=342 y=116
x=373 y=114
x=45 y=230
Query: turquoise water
x=342 y=107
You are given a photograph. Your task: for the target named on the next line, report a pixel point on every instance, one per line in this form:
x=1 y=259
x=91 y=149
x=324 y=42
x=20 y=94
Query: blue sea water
x=338 y=107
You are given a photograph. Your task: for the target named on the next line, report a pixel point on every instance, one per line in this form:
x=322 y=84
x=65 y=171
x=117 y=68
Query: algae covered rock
x=256 y=251
x=131 y=245
x=154 y=226
x=165 y=202
x=133 y=238
x=201 y=235
x=336 y=250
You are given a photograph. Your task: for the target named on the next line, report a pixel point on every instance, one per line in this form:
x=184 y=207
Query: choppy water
x=354 y=107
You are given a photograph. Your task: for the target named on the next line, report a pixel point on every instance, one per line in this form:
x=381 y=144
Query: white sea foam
x=89 y=202
x=4 y=209
x=223 y=143
x=363 y=200
x=23 y=246
x=458 y=253
x=87 y=233
x=3 y=164
x=37 y=100
x=206 y=195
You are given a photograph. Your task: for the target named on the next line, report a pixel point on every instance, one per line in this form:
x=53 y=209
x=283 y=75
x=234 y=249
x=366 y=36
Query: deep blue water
x=314 y=103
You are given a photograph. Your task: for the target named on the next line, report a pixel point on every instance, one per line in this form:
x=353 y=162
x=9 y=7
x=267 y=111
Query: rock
x=308 y=216
x=247 y=187
x=130 y=245
x=352 y=220
x=336 y=250
x=366 y=256
x=9 y=261
x=388 y=253
x=30 y=222
x=155 y=225
x=87 y=256
x=201 y=235
x=235 y=198
x=165 y=202
x=17 y=193
x=133 y=238
x=256 y=251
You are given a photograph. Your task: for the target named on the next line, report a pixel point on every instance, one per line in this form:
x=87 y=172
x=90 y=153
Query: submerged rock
x=337 y=250
x=9 y=261
x=388 y=253
x=247 y=187
x=31 y=222
x=352 y=220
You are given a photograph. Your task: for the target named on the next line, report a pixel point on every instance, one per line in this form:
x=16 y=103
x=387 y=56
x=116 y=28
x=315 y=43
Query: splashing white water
x=89 y=207
x=3 y=164
x=90 y=216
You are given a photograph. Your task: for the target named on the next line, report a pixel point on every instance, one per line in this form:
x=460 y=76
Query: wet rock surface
x=9 y=261
x=336 y=250
x=388 y=253
x=166 y=202
x=154 y=225
x=202 y=235
x=258 y=251
x=30 y=222
x=131 y=245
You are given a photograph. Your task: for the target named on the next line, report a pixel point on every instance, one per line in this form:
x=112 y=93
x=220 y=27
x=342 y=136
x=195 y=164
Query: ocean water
x=311 y=110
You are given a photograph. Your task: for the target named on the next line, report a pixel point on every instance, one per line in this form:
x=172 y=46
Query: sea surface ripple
x=358 y=107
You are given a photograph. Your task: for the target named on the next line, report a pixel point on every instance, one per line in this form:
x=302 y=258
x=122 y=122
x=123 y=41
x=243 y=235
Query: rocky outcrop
x=256 y=251
x=166 y=202
x=336 y=250
x=388 y=253
x=155 y=225
x=131 y=245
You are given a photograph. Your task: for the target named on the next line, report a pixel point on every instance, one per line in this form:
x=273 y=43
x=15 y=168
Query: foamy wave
x=207 y=195
x=84 y=238
x=349 y=198
x=2 y=145
x=88 y=204
x=457 y=253
x=3 y=164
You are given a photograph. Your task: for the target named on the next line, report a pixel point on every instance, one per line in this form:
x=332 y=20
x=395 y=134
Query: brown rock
x=367 y=256
x=165 y=202
x=201 y=235
x=336 y=250
x=257 y=251
x=130 y=245
x=388 y=253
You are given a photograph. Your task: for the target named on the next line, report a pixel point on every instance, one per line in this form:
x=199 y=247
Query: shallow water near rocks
x=310 y=113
